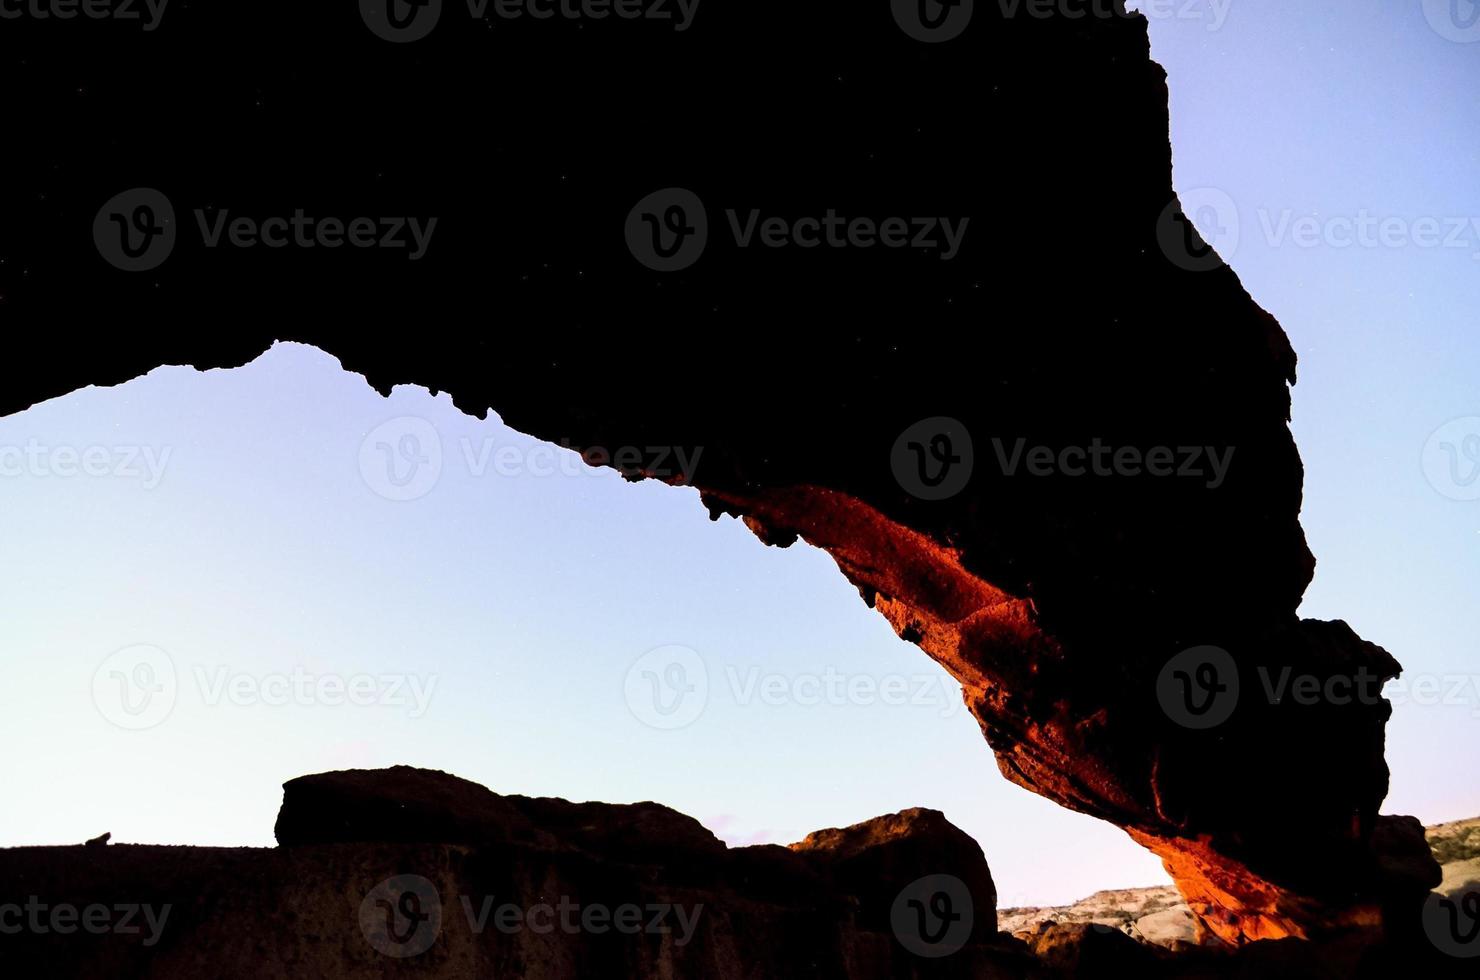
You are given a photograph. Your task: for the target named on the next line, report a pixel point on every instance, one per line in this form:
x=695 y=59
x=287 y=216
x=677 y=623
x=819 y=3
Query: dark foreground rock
x=950 y=429
x=411 y=872
x=407 y=872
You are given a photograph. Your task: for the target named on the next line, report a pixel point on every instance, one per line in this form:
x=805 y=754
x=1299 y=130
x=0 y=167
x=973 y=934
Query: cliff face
x=1160 y=915
x=1028 y=542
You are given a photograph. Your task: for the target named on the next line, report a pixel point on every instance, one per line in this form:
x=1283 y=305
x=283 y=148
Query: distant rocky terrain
x=1159 y=915
x=1152 y=915
x=1457 y=848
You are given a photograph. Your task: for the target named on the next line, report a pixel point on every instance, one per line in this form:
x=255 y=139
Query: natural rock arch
x=1056 y=601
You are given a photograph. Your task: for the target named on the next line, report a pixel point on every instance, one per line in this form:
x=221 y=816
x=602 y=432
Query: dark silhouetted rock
x=400 y=804
x=362 y=847
x=1081 y=310
x=1086 y=950
x=876 y=859
x=470 y=883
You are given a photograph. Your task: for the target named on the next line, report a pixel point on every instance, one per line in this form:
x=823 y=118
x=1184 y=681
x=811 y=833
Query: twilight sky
x=231 y=542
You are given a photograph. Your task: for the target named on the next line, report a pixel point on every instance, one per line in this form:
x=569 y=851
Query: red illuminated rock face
x=1066 y=320
x=1260 y=849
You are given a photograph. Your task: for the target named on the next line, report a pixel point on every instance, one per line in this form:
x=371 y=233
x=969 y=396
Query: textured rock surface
x=1151 y=915
x=1456 y=846
x=821 y=908
x=1161 y=916
x=536 y=888
x=1055 y=601
x=879 y=858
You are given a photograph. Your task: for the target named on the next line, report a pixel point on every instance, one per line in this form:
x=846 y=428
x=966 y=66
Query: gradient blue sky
x=524 y=599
